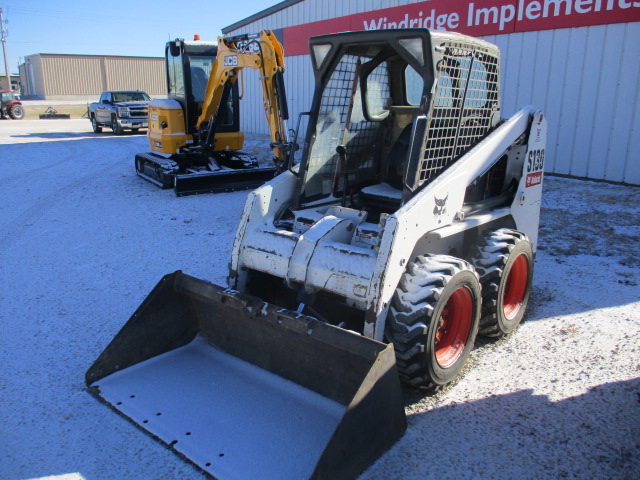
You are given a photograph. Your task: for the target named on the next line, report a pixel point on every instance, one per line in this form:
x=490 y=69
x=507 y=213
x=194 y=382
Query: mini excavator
x=194 y=134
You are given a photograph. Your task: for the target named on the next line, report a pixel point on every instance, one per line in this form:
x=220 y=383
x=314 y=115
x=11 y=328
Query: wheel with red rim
x=453 y=327
x=433 y=320
x=504 y=261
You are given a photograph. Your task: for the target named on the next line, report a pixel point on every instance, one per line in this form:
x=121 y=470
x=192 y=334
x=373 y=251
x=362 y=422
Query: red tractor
x=10 y=106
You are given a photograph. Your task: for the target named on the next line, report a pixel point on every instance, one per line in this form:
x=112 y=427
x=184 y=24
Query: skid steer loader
x=409 y=224
x=195 y=134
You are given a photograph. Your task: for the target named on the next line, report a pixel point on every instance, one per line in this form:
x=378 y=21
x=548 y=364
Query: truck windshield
x=130 y=97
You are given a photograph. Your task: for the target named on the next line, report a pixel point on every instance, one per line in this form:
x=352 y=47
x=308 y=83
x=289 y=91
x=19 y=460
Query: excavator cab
x=188 y=67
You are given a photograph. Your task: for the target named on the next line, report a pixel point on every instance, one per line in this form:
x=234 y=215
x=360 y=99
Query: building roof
x=86 y=55
x=264 y=13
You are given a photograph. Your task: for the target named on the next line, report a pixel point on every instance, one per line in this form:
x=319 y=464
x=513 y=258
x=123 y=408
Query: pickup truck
x=120 y=110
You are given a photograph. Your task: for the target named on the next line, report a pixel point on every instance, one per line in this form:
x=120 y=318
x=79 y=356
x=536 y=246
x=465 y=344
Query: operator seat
x=387 y=196
x=198 y=83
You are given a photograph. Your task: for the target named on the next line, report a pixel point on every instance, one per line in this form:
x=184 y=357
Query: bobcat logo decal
x=440 y=207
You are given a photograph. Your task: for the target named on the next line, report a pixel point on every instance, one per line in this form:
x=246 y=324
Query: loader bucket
x=245 y=389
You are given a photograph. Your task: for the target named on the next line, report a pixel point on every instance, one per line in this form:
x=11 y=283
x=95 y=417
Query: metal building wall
x=33 y=79
x=52 y=76
x=585 y=79
x=68 y=76
x=125 y=73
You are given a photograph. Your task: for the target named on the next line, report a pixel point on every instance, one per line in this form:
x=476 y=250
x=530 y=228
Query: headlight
x=123 y=112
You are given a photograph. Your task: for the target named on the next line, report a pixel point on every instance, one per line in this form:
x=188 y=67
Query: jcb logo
x=231 y=61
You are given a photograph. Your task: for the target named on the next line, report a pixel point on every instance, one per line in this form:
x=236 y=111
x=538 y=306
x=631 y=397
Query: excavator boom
x=260 y=52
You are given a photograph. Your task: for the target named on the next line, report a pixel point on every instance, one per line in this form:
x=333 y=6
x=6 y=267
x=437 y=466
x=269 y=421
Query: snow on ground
x=83 y=241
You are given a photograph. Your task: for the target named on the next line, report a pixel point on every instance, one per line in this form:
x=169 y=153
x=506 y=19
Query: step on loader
x=408 y=226
x=194 y=134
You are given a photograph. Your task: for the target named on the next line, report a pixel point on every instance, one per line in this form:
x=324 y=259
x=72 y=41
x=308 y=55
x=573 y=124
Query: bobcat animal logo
x=440 y=205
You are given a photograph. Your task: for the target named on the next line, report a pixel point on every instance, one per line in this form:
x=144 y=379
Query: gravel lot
x=83 y=241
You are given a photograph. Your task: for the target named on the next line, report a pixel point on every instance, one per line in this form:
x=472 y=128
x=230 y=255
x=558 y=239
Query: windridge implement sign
x=492 y=17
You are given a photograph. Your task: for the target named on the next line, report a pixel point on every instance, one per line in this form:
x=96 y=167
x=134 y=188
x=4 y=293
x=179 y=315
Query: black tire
x=94 y=125
x=504 y=261
x=115 y=126
x=435 y=292
x=16 y=112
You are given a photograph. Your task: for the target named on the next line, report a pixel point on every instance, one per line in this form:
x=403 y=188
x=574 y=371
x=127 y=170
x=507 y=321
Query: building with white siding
x=578 y=60
x=50 y=76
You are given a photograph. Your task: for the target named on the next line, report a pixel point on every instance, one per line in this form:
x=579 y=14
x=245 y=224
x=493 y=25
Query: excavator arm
x=261 y=52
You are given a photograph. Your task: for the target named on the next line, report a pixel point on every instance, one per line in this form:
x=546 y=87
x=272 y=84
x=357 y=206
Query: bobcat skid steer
x=409 y=224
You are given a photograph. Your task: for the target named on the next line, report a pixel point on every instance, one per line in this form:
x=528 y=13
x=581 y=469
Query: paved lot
x=83 y=241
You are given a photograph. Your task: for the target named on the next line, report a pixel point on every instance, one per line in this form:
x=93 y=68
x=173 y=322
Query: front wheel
x=16 y=112
x=504 y=260
x=433 y=320
x=115 y=126
x=94 y=125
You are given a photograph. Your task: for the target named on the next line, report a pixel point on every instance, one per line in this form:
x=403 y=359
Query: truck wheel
x=94 y=125
x=115 y=126
x=504 y=260
x=433 y=320
x=16 y=112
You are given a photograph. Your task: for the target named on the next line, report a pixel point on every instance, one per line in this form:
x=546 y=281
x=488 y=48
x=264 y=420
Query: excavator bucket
x=245 y=389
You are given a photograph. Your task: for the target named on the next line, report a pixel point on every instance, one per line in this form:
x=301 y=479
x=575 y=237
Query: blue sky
x=116 y=27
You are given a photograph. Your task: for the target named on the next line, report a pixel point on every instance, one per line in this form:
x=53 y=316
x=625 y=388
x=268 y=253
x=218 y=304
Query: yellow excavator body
x=167 y=127
x=167 y=130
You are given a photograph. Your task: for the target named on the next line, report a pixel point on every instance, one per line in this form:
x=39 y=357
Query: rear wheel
x=504 y=261
x=16 y=112
x=115 y=126
x=433 y=320
x=95 y=126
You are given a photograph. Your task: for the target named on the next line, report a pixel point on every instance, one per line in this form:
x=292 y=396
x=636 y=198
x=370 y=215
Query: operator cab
x=390 y=112
x=189 y=65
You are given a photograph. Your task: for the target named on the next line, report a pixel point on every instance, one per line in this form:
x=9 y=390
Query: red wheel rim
x=454 y=325
x=515 y=287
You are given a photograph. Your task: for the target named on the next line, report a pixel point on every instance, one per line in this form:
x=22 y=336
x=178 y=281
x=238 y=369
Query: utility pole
x=3 y=38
